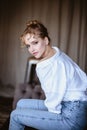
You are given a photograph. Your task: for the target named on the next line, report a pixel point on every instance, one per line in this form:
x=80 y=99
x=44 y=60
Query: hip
x=75 y=109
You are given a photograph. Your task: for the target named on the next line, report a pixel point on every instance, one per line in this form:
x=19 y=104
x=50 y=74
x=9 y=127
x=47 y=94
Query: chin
x=37 y=57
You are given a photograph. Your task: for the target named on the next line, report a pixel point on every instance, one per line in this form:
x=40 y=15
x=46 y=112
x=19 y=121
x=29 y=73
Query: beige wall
x=13 y=16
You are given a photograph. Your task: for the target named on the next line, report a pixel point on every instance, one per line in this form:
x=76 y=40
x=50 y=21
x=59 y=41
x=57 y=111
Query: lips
x=35 y=53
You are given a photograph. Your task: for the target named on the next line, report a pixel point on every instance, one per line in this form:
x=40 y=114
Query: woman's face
x=36 y=45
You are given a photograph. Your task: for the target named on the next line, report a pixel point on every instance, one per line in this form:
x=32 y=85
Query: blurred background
x=66 y=21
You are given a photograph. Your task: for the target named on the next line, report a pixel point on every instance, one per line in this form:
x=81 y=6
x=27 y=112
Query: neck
x=48 y=53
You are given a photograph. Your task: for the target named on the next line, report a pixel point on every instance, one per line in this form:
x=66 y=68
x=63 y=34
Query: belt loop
x=86 y=92
x=78 y=103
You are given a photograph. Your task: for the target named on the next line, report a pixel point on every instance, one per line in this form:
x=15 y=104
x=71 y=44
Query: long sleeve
x=53 y=82
x=57 y=88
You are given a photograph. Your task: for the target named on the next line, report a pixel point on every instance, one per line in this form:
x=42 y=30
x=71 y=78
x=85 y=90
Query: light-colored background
x=66 y=21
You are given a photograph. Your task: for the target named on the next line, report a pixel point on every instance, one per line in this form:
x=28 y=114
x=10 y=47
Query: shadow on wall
x=6 y=90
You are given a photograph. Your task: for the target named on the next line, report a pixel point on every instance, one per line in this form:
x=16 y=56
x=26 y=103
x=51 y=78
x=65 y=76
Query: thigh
x=31 y=104
x=39 y=119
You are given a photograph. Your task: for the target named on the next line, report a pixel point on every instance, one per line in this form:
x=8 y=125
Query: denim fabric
x=33 y=113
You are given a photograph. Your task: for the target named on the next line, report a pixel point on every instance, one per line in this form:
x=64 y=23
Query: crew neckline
x=45 y=62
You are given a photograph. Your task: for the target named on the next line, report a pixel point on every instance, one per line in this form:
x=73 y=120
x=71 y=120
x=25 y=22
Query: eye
x=27 y=46
x=28 y=39
x=35 y=42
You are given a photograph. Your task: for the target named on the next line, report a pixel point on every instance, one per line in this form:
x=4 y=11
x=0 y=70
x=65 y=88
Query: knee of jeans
x=12 y=115
x=20 y=103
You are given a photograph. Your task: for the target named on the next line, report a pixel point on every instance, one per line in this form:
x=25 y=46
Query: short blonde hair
x=37 y=28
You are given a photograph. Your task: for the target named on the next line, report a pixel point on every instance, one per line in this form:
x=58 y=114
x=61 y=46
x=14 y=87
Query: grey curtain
x=66 y=21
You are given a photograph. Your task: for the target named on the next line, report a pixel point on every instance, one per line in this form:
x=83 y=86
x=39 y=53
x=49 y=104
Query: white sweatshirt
x=61 y=80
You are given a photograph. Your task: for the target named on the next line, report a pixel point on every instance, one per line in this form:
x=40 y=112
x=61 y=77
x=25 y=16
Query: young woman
x=63 y=82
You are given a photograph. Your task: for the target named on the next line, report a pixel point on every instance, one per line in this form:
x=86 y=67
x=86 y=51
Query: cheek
x=42 y=47
x=29 y=51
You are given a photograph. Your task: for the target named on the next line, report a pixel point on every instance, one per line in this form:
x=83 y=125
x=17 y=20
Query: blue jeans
x=33 y=113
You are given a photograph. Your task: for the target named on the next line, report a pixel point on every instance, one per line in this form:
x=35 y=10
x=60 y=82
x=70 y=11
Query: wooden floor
x=5 y=109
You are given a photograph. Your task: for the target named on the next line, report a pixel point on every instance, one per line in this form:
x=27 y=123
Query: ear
x=46 y=40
